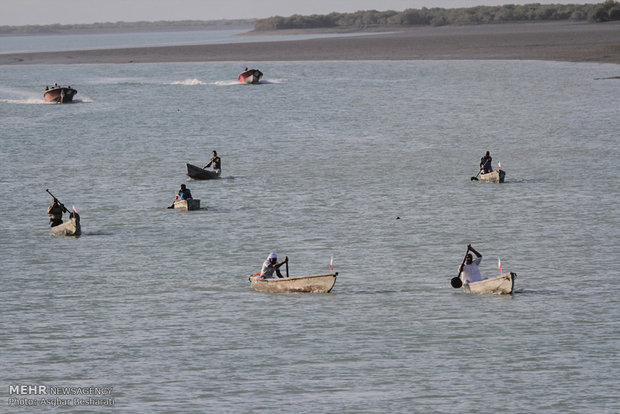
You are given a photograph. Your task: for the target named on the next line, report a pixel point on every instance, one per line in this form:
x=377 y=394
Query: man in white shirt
x=270 y=265
x=469 y=270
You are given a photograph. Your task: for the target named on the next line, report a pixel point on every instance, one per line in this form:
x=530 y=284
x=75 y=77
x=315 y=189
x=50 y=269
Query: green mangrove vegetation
x=602 y=12
x=606 y=11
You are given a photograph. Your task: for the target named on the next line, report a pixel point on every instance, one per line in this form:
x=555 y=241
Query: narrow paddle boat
x=250 y=76
x=71 y=227
x=198 y=173
x=187 y=205
x=499 y=285
x=319 y=283
x=494 y=176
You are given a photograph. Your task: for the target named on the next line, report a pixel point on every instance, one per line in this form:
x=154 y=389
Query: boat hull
x=72 y=227
x=319 y=283
x=187 y=205
x=499 y=285
x=59 y=95
x=494 y=176
x=250 y=76
x=198 y=173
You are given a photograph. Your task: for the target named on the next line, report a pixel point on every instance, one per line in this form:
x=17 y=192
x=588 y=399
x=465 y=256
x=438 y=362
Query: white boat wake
x=189 y=82
x=28 y=101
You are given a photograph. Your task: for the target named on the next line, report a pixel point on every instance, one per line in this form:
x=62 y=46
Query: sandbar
x=557 y=41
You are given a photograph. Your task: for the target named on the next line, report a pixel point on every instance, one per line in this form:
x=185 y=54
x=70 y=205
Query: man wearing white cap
x=270 y=265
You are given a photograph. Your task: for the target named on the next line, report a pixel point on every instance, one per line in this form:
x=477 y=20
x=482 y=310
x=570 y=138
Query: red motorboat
x=59 y=94
x=250 y=76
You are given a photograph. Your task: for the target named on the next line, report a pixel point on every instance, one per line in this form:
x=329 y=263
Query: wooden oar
x=286 y=258
x=61 y=204
x=456 y=282
x=481 y=168
x=173 y=201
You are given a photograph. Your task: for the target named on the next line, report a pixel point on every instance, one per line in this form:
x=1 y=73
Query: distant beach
x=564 y=41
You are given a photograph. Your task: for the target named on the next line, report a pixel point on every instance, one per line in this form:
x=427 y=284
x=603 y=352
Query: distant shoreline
x=125 y=27
x=124 y=31
x=557 y=41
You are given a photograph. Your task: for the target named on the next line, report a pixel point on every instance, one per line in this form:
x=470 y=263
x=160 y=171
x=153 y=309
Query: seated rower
x=184 y=193
x=485 y=163
x=216 y=162
x=270 y=265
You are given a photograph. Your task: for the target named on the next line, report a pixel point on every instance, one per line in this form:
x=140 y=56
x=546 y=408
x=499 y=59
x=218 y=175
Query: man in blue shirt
x=184 y=193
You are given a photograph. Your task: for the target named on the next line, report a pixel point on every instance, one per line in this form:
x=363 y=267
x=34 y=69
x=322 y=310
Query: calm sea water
x=63 y=42
x=318 y=161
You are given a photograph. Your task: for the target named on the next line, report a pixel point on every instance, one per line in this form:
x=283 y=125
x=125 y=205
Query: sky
x=25 y=12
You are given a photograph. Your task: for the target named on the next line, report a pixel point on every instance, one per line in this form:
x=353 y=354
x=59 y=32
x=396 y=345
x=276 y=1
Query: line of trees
x=127 y=26
x=607 y=11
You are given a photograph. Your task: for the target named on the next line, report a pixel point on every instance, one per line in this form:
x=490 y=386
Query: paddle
x=286 y=260
x=456 y=282
x=476 y=177
x=481 y=168
x=64 y=209
x=174 y=201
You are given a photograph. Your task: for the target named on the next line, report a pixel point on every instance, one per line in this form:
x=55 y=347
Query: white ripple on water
x=188 y=82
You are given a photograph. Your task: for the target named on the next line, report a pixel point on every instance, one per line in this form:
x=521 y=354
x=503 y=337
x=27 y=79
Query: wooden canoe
x=319 y=283
x=499 y=285
x=200 y=173
x=494 y=176
x=71 y=227
x=186 y=205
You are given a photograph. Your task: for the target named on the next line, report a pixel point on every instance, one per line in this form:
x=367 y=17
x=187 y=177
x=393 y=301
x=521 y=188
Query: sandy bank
x=574 y=42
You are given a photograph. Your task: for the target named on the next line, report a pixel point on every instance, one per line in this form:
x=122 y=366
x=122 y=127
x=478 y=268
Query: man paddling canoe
x=270 y=265
x=55 y=212
x=183 y=194
x=216 y=161
x=469 y=270
x=485 y=163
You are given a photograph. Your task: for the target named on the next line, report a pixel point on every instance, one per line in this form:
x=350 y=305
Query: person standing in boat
x=469 y=270
x=216 y=161
x=55 y=212
x=271 y=265
x=485 y=163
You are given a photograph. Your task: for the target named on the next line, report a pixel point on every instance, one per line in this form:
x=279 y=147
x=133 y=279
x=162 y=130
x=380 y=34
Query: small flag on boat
x=74 y=210
x=499 y=264
x=331 y=263
x=499 y=165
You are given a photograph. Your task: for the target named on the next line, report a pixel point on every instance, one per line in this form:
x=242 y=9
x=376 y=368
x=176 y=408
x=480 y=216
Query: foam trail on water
x=19 y=96
x=28 y=101
x=227 y=83
x=189 y=82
